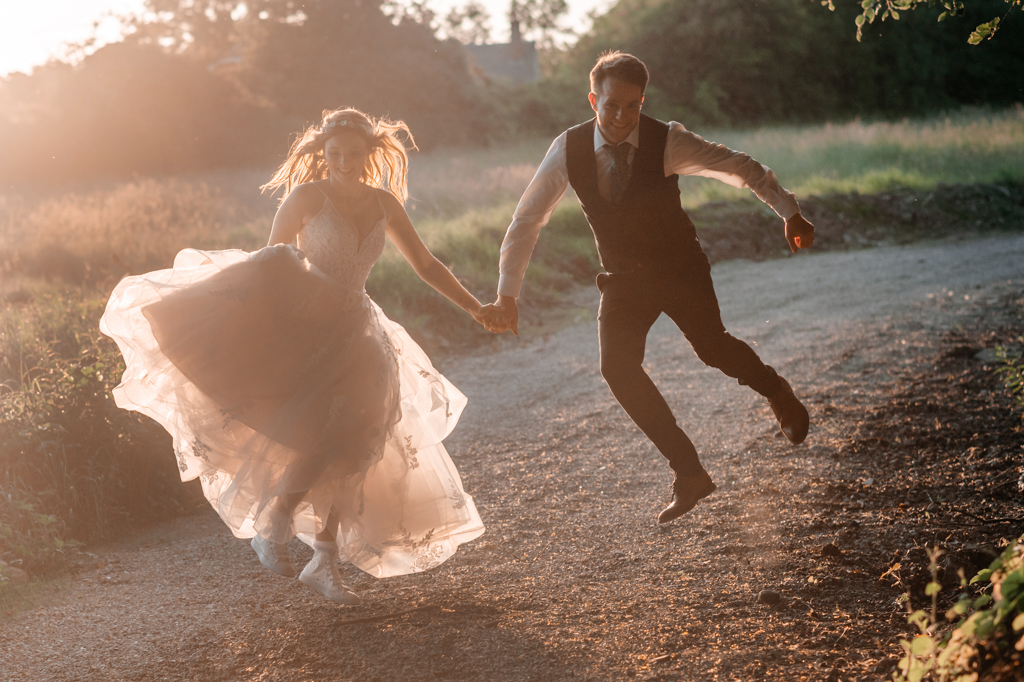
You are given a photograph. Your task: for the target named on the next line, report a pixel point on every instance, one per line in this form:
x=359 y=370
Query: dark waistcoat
x=648 y=227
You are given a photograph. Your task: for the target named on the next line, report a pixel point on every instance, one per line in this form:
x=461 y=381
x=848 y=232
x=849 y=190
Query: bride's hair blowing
x=387 y=165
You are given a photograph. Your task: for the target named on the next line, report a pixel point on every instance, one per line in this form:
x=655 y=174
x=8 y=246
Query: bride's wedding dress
x=276 y=374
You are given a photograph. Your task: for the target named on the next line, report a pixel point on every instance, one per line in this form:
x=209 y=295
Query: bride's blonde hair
x=387 y=164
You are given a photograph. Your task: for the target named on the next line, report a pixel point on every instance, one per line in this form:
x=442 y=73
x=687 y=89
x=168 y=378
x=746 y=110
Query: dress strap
x=327 y=198
x=380 y=204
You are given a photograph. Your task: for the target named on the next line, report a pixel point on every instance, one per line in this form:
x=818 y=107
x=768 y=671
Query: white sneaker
x=273 y=555
x=321 y=573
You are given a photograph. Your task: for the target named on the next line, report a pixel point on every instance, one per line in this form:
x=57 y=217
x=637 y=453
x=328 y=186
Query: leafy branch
x=986 y=625
x=884 y=9
x=1012 y=369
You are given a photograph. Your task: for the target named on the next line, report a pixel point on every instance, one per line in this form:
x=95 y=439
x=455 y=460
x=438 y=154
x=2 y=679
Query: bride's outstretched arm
x=426 y=265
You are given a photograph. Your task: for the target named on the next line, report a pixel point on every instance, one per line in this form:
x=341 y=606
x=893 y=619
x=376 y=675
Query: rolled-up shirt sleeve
x=687 y=153
x=533 y=212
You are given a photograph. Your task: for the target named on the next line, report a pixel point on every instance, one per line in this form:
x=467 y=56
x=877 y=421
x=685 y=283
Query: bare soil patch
x=731 y=229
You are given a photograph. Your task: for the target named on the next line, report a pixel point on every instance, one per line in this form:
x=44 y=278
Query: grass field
x=971 y=146
x=96 y=233
x=72 y=465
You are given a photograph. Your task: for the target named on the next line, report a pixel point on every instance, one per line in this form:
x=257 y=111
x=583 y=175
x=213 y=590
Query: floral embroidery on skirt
x=274 y=380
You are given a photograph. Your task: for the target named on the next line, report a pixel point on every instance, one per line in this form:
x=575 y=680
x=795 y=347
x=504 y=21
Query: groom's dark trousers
x=630 y=304
x=655 y=265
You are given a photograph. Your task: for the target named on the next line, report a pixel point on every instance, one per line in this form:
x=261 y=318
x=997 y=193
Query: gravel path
x=574 y=578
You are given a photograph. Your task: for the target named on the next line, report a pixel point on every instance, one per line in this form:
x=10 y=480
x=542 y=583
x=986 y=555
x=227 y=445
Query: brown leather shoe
x=686 y=492
x=792 y=415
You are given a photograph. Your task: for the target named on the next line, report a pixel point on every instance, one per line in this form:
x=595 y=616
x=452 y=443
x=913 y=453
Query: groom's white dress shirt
x=686 y=153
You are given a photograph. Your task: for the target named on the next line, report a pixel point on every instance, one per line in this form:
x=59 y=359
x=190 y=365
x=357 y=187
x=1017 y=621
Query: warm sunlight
x=379 y=340
x=33 y=31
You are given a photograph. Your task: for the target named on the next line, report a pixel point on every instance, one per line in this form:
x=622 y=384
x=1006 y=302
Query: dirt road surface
x=574 y=579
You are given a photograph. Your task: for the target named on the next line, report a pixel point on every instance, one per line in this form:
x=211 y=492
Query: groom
x=624 y=168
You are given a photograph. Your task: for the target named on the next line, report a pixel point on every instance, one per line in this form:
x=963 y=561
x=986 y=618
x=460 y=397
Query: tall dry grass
x=89 y=235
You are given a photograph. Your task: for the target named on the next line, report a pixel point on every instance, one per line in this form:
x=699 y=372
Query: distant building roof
x=514 y=62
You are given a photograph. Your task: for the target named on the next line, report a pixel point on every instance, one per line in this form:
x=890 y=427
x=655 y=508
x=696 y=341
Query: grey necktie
x=619 y=176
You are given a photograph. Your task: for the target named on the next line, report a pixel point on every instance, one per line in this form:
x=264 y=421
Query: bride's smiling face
x=346 y=155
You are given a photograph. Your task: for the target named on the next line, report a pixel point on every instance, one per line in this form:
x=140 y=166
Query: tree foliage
x=127 y=108
x=205 y=83
x=541 y=17
x=732 y=62
x=890 y=9
x=347 y=52
x=202 y=83
x=468 y=24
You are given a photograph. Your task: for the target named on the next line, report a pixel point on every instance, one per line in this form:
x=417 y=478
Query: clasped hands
x=500 y=316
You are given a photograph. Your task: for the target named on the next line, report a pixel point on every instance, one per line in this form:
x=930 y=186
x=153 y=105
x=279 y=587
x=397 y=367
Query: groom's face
x=617 y=105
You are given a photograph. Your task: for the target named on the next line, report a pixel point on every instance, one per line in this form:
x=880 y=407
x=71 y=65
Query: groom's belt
x=666 y=260
x=654 y=267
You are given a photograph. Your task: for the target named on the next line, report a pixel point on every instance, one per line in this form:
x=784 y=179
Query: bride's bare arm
x=292 y=214
x=430 y=270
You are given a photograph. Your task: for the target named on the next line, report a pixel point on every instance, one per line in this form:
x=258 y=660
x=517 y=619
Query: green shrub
x=1011 y=366
x=987 y=629
x=35 y=541
x=72 y=464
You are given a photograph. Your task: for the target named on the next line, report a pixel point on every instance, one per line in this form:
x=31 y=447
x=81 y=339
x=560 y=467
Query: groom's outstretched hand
x=799 y=233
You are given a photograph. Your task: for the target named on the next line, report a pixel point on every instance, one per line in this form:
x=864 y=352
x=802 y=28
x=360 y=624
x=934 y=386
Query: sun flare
x=34 y=31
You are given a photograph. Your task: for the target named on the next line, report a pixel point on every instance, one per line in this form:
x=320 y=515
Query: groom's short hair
x=615 y=64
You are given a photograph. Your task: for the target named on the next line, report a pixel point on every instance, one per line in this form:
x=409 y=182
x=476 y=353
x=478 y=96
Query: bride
x=302 y=409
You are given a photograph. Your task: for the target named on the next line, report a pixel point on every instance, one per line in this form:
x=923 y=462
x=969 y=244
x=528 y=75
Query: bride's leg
x=321 y=573
x=328 y=534
x=272 y=553
x=285 y=509
x=356 y=429
x=287 y=503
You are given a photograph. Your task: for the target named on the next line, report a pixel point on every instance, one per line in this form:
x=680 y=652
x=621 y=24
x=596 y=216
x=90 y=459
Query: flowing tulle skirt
x=278 y=385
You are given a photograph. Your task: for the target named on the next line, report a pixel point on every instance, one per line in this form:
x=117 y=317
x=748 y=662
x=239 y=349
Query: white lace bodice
x=330 y=243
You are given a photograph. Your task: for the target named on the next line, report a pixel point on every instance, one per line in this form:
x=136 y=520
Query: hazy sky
x=31 y=31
